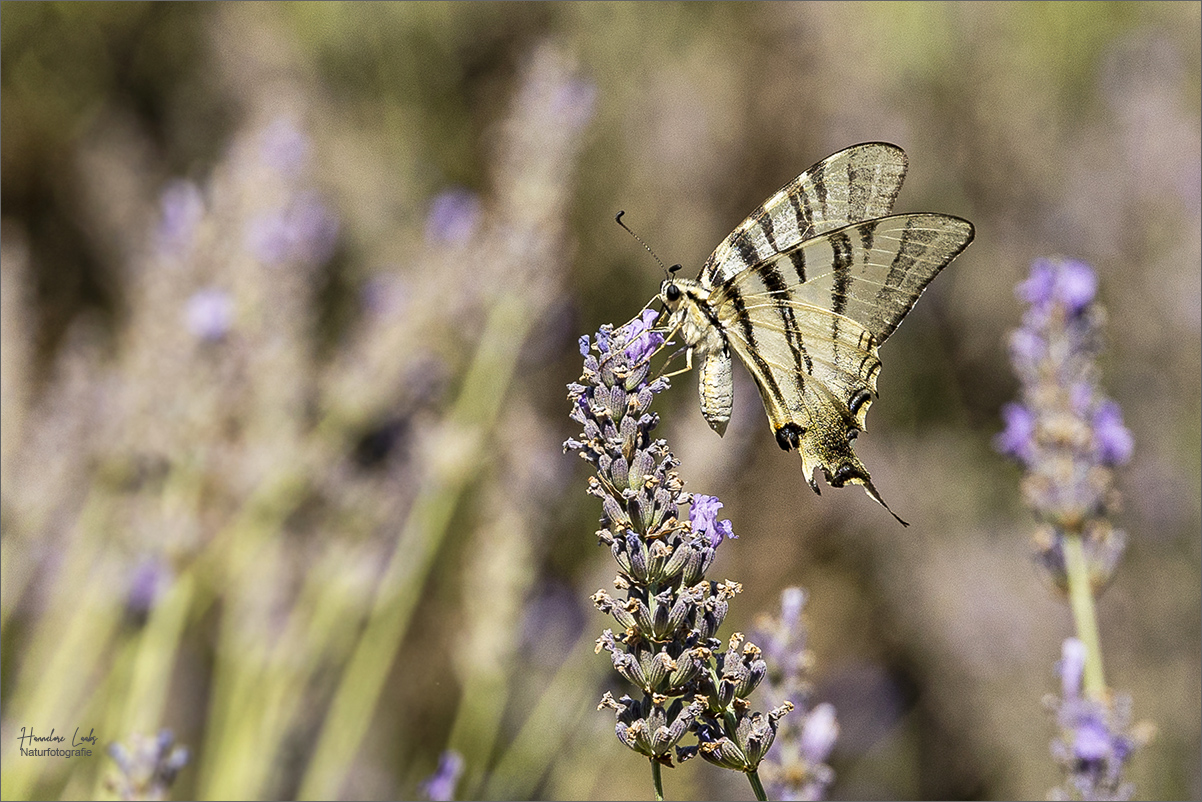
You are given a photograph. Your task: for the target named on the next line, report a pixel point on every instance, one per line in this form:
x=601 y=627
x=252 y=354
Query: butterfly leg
x=688 y=363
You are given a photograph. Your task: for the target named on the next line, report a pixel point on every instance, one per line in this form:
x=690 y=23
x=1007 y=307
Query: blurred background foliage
x=291 y=294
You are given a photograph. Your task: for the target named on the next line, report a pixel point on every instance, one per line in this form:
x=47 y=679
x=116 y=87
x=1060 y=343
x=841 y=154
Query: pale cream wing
x=810 y=337
x=816 y=379
x=855 y=184
x=871 y=272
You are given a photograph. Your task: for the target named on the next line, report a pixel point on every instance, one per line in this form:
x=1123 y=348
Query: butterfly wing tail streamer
x=829 y=448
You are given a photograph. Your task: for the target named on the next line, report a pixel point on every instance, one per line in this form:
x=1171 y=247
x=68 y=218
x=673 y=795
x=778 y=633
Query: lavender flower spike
x=1069 y=437
x=1096 y=737
x=796 y=765
x=665 y=643
x=1065 y=432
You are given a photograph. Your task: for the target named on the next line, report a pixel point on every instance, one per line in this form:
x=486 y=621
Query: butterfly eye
x=672 y=293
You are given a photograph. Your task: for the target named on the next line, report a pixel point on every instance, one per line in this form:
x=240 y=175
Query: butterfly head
x=673 y=290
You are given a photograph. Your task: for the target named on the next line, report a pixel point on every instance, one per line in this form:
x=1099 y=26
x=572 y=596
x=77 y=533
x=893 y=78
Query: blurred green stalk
x=66 y=652
x=421 y=536
x=560 y=708
x=1080 y=596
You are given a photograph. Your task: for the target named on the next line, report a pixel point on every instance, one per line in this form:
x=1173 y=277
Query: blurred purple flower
x=1076 y=285
x=149 y=580
x=1091 y=740
x=1071 y=667
x=1064 y=428
x=795 y=768
x=440 y=787
x=305 y=231
x=284 y=146
x=1040 y=285
x=1095 y=743
x=792 y=600
x=1069 y=436
x=182 y=207
x=1114 y=441
x=210 y=314
x=1069 y=282
x=1018 y=438
x=1026 y=348
x=453 y=218
x=384 y=295
x=819 y=733
x=573 y=104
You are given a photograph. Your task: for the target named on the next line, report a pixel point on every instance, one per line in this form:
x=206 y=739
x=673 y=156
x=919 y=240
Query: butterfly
x=804 y=292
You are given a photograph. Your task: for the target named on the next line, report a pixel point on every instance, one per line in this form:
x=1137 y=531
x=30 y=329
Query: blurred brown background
x=291 y=294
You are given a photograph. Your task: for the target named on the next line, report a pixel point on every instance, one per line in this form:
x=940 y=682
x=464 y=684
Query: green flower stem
x=476 y=410
x=1080 y=596
x=657 y=780
x=753 y=777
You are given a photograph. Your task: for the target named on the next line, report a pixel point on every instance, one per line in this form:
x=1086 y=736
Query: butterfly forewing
x=859 y=183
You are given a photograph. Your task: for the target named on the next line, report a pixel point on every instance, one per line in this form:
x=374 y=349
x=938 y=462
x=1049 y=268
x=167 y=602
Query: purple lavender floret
x=642 y=341
x=1113 y=440
x=1018 y=438
x=284 y=146
x=703 y=515
x=440 y=786
x=305 y=231
x=182 y=208
x=209 y=314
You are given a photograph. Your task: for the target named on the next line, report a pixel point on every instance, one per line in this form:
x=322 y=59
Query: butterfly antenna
x=667 y=271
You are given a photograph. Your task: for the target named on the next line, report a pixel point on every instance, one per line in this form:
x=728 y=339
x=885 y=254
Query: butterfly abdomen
x=716 y=387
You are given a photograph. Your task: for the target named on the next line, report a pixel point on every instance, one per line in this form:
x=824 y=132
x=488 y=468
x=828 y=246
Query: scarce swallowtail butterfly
x=804 y=292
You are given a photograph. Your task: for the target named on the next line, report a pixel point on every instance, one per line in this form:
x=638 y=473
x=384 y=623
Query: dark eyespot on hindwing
x=789 y=435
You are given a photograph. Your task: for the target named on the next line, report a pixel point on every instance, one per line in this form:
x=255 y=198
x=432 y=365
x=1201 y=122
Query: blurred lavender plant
x=1069 y=437
x=669 y=618
x=147 y=767
x=795 y=768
